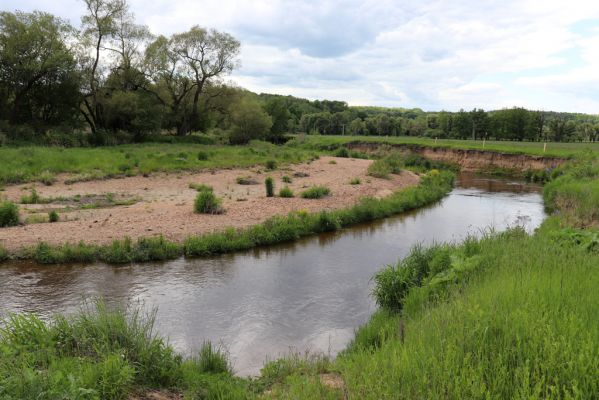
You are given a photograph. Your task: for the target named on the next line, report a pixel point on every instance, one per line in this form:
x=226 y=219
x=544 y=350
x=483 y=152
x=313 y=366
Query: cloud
x=434 y=54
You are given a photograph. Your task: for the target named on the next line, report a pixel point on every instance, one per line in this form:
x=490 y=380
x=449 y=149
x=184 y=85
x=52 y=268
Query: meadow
x=553 y=149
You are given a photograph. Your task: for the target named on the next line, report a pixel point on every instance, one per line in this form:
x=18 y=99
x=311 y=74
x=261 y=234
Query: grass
x=275 y=230
x=9 y=214
x=269 y=185
x=554 y=149
x=33 y=163
x=316 y=192
x=355 y=181
x=32 y=198
x=53 y=216
x=207 y=203
x=200 y=187
x=286 y=179
x=245 y=180
x=103 y=353
x=285 y=192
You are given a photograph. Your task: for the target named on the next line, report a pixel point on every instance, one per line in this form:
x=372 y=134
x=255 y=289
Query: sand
x=165 y=202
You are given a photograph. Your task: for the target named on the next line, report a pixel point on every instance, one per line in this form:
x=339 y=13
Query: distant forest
x=111 y=81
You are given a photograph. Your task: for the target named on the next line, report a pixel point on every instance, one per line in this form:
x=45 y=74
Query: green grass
x=315 y=192
x=25 y=164
x=355 y=181
x=269 y=186
x=9 y=214
x=103 y=353
x=207 y=203
x=275 y=230
x=554 y=149
x=285 y=192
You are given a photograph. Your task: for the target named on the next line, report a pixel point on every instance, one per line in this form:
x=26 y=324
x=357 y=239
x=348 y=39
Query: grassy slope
x=554 y=149
x=510 y=316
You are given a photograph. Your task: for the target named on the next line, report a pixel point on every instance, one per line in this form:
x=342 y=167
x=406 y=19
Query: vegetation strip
x=433 y=186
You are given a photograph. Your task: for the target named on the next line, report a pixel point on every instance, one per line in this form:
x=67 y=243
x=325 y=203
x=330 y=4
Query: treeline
x=110 y=80
x=506 y=124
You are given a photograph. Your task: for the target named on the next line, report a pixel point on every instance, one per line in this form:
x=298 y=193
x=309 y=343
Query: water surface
x=308 y=295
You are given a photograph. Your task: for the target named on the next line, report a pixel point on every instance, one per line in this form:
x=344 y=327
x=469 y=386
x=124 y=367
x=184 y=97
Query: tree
x=250 y=122
x=38 y=75
x=206 y=55
x=99 y=25
x=277 y=109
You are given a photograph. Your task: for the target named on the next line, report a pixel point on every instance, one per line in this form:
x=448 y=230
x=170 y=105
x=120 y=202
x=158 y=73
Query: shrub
x=285 y=192
x=355 y=181
x=53 y=216
x=271 y=164
x=270 y=187
x=379 y=169
x=316 y=192
x=33 y=198
x=207 y=203
x=342 y=152
x=333 y=162
x=9 y=214
x=203 y=156
x=286 y=179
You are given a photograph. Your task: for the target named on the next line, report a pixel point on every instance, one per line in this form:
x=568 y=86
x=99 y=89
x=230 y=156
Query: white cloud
x=432 y=54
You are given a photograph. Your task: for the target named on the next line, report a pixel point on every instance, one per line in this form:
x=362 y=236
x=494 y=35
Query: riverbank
x=162 y=204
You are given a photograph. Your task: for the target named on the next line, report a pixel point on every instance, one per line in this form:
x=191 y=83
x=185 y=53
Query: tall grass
x=101 y=353
x=32 y=163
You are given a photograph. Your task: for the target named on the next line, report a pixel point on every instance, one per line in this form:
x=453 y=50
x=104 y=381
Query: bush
x=53 y=216
x=355 y=181
x=379 y=169
x=9 y=214
x=207 y=203
x=271 y=164
x=342 y=152
x=286 y=179
x=316 y=192
x=285 y=192
x=270 y=187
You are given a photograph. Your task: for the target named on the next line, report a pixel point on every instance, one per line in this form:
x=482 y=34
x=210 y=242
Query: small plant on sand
x=270 y=187
x=245 y=180
x=271 y=164
x=9 y=214
x=207 y=203
x=200 y=187
x=355 y=181
x=3 y=254
x=285 y=192
x=316 y=192
x=53 y=216
x=47 y=178
x=286 y=179
x=32 y=198
x=333 y=162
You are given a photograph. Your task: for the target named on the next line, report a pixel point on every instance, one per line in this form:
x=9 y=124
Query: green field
x=554 y=149
x=24 y=164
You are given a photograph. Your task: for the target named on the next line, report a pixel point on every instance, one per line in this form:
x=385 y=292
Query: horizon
x=433 y=56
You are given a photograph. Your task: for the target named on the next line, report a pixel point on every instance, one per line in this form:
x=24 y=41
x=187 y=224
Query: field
x=554 y=149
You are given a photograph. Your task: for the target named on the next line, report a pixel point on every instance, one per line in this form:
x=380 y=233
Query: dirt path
x=165 y=202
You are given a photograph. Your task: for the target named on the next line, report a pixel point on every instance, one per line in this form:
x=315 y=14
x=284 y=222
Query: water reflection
x=309 y=294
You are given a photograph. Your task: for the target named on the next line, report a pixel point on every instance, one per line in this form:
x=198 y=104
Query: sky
x=539 y=54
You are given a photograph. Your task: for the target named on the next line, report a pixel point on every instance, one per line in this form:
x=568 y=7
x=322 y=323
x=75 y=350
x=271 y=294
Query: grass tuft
x=316 y=192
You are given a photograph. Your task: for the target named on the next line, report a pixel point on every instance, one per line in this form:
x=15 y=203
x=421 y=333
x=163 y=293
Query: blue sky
x=430 y=54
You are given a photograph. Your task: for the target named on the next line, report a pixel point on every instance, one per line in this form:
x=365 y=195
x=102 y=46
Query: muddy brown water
x=309 y=295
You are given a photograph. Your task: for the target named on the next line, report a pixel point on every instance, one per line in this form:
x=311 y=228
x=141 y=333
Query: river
x=306 y=296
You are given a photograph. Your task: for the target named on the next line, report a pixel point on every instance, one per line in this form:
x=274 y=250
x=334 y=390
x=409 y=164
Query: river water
x=306 y=296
